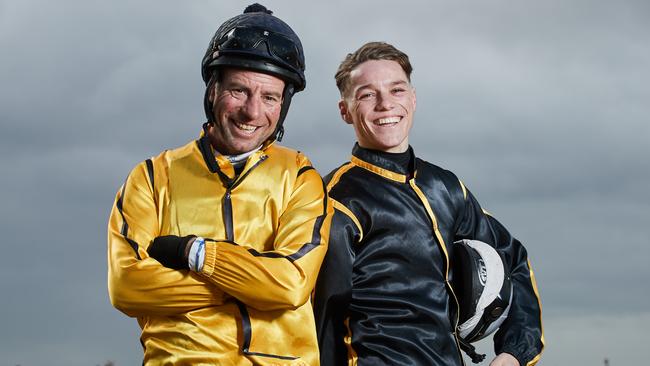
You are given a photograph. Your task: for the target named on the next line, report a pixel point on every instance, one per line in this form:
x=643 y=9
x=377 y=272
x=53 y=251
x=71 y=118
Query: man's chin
x=244 y=147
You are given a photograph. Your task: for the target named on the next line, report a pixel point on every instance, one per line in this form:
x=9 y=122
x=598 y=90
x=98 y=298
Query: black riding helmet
x=256 y=40
x=484 y=290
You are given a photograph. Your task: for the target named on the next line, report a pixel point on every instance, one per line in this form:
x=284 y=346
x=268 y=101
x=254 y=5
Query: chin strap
x=471 y=351
x=207 y=106
x=286 y=101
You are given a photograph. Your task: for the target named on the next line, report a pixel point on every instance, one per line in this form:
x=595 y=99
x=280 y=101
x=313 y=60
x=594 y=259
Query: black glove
x=169 y=250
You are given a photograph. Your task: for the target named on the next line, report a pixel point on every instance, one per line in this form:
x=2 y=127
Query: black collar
x=381 y=160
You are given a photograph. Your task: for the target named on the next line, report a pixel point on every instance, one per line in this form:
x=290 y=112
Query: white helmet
x=484 y=292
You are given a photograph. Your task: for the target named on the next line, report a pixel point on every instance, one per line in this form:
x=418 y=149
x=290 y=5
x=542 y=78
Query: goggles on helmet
x=247 y=39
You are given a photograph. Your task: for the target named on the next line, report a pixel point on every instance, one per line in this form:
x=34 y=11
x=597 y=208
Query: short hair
x=367 y=52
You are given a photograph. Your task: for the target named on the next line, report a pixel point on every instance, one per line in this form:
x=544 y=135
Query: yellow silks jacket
x=266 y=234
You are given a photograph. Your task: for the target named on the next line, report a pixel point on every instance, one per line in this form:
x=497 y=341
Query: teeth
x=385 y=121
x=244 y=127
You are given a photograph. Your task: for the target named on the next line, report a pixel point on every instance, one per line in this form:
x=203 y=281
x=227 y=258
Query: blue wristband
x=196 y=256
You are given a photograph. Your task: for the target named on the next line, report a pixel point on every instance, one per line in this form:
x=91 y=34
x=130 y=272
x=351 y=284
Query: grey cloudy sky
x=541 y=107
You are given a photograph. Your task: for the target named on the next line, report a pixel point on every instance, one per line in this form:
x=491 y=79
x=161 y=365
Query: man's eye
x=398 y=90
x=366 y=96
x=270 y=99
x=237 y=92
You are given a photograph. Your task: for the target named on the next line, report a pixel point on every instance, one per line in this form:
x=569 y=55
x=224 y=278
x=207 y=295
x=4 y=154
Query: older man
x=215 y=246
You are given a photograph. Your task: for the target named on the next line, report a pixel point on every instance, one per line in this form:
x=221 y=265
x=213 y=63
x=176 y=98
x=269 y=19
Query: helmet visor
x=247 y=39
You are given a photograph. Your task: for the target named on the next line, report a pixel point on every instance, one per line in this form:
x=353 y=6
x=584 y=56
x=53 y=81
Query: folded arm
x=285 y=276
x=137 y=284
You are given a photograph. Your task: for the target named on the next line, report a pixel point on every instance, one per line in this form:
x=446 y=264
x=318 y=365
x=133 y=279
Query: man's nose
x=384 y=102
x=252 y=107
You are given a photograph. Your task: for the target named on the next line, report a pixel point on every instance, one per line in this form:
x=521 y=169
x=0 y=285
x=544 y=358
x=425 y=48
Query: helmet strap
x=286 y=101
x=207 y=105
x=471 y=351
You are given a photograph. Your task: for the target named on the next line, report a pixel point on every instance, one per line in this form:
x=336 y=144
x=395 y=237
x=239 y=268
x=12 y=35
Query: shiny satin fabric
x=384 y=285
x=266 y=234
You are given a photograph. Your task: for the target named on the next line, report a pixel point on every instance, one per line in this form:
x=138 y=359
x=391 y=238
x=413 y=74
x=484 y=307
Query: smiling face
x=379 y=102
x=246 y=106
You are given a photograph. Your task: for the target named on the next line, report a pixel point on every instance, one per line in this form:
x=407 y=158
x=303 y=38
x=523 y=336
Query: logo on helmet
x=482 y=271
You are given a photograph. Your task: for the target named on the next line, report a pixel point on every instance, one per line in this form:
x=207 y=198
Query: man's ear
x=415 y=99
x=345 y=113
x=212 y=92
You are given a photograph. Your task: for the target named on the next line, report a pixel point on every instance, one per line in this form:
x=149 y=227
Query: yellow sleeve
x=284 y=277
x=139 y=285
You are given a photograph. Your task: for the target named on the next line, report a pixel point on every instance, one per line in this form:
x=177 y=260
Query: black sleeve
x=521 y=333
x=334 y=290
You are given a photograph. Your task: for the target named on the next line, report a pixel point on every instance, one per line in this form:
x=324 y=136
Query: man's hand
x=171 y=250
x=504 y=359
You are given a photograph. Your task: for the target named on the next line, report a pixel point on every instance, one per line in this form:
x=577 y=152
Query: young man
x=384 y=296
x=215 y=246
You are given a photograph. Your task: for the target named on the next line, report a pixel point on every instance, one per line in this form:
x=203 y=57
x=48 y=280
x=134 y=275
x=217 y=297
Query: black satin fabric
x=389 y=289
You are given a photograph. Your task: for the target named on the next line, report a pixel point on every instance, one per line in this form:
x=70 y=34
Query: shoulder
x=169 y=156
x=156 y=169
x=345 y=182
x=287 y=157
x=433 y=171
x=343 y=188
x=334 y=176
x=440 y=179
x=291 y=168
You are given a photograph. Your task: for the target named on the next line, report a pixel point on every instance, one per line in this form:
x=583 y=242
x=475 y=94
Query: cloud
x=540 y=107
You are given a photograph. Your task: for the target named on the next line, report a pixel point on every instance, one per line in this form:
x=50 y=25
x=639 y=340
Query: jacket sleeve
x=284 y=277
x=521 y=333
x=334 y=291
x=139 y=285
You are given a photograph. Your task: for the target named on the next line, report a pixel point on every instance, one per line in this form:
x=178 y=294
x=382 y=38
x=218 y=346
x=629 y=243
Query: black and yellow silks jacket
x=266 y=235
x=383 y=296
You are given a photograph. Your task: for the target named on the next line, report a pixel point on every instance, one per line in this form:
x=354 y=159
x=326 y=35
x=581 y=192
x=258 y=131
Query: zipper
x=453 y=294
x=230 y=236
x=227 y=215
x=227 y=201
x=441 y=244
x=241 y=178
